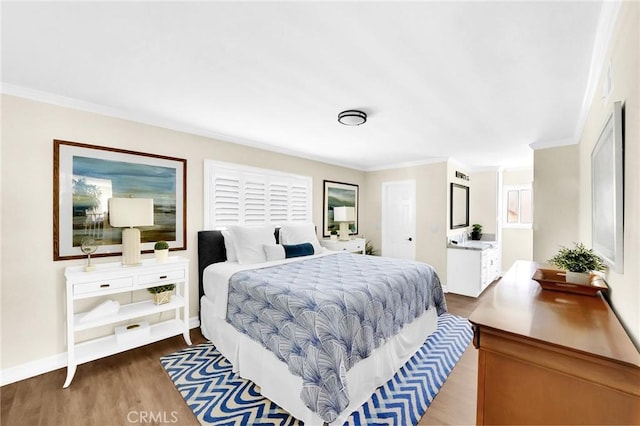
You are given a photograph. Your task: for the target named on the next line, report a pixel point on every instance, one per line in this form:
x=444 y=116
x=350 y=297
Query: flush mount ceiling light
x=352 y=117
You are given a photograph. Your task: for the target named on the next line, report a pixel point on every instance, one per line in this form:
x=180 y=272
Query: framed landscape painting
x=86 y=176
x=338 y=194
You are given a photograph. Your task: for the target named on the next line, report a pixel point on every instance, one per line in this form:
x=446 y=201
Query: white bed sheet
x=254 y=362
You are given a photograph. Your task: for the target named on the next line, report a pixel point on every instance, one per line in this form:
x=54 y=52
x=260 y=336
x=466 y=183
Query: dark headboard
x=211 y=250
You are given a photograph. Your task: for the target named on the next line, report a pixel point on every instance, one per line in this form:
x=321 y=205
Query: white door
x=399 y=219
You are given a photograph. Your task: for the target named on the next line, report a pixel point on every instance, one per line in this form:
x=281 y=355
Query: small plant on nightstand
x=162 y=293
x=161 y=249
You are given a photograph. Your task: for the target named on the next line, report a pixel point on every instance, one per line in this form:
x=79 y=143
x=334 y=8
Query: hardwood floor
x=133 y=388
x=455 y=403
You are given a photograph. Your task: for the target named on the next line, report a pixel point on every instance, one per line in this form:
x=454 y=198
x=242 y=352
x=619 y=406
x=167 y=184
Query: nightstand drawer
x=350 y=246
x=161 y=277
x=103 y=285
x=356 y=245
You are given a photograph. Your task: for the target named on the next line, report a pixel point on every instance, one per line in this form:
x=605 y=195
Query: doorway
x=399 y=219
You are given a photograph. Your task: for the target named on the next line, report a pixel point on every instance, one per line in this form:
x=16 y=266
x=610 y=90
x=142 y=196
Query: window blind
x=240 y=195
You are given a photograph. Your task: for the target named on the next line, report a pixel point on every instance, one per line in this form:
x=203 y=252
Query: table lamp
x=344 y=215
x=127 y=213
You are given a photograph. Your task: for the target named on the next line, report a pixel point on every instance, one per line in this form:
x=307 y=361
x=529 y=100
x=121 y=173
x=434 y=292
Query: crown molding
x=607 y=21
x=77 y=104
x=609 y=14
x=433 y=160
x=552 y=143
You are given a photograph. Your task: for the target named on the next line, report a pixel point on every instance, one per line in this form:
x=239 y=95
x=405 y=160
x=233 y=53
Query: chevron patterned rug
x=217 y=396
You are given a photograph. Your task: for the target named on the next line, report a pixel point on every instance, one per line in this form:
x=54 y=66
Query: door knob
x=410 y=239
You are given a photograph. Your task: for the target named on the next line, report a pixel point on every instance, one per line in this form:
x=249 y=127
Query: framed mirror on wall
x=459 y=208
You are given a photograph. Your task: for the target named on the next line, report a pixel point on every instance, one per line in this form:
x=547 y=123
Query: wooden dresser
x=548 y=357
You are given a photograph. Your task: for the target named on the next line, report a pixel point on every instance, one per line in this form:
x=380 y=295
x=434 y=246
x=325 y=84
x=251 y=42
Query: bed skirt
x=254 y=362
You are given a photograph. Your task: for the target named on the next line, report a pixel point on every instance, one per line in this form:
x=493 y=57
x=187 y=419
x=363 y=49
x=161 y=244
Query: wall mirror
x=459 y=206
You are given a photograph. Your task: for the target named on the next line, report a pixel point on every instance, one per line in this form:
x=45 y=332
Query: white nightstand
x=355 y=245
x=113 y=278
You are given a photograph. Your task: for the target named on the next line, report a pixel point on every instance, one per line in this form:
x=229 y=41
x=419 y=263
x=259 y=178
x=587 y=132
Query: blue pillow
x=297 y=250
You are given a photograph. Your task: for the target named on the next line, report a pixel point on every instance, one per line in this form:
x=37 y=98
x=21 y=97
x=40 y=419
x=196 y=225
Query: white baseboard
x=48 y=364
x=194 y=322
x=32 y=369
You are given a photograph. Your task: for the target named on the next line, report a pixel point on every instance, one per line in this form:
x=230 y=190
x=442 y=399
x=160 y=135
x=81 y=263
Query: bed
x=318 y=333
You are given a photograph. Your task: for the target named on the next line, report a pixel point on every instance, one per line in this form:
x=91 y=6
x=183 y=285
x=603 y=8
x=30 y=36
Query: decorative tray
x=556 y=280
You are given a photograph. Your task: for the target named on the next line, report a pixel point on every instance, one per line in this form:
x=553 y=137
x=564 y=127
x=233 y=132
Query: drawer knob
x=105 y=285
x=162 y=277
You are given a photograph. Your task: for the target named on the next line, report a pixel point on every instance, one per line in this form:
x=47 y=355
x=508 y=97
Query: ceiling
x=474 y=81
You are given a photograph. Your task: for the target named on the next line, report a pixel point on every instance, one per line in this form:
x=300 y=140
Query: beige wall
x=431 y=211
x=484 y=201
x=32 y=310
x=624 y=54
x=517 y=243
x=517 y=176
x=562 y=176
x=555 y=200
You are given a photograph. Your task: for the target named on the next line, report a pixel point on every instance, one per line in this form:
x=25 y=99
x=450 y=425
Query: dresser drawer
x=161 y=277
x=103 y=285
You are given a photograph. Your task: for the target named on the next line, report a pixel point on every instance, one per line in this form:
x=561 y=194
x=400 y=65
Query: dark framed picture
x=338 y=194
x=607 y=191
x=86 y=176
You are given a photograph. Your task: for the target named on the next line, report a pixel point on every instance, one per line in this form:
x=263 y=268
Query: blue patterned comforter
x=323 y=314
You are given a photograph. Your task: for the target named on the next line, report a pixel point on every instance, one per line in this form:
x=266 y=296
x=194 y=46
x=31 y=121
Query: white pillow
x=228 y=244
x=274 y=252
x=298 y=234
x=249 y=242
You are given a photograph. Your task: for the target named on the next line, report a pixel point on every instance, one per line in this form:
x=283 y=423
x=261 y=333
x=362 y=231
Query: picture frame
x=607 y=191
x=86 y=176
x=337 y=194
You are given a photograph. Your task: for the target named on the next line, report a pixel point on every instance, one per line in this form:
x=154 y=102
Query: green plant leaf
x=578 y=259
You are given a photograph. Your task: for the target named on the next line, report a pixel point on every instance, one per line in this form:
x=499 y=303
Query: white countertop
x=473 y=245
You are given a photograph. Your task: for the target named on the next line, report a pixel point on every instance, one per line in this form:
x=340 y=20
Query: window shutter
x=278 y=203
x=241 y=195
x=226 y=200
x=300 y=203
x=255 y=203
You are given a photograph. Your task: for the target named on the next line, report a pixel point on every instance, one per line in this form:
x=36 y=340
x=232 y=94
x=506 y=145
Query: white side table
x=112 y=278
x=354 y=246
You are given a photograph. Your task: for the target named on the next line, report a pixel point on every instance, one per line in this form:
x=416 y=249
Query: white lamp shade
x=344 y=214
x=128 y=212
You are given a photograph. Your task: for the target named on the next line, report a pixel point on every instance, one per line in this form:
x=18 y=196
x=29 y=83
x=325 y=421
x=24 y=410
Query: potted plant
x=579 y=262
x=334 y=235
x=161 y=249
x=162 y=293
x=368 y=248
x=476 y=231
